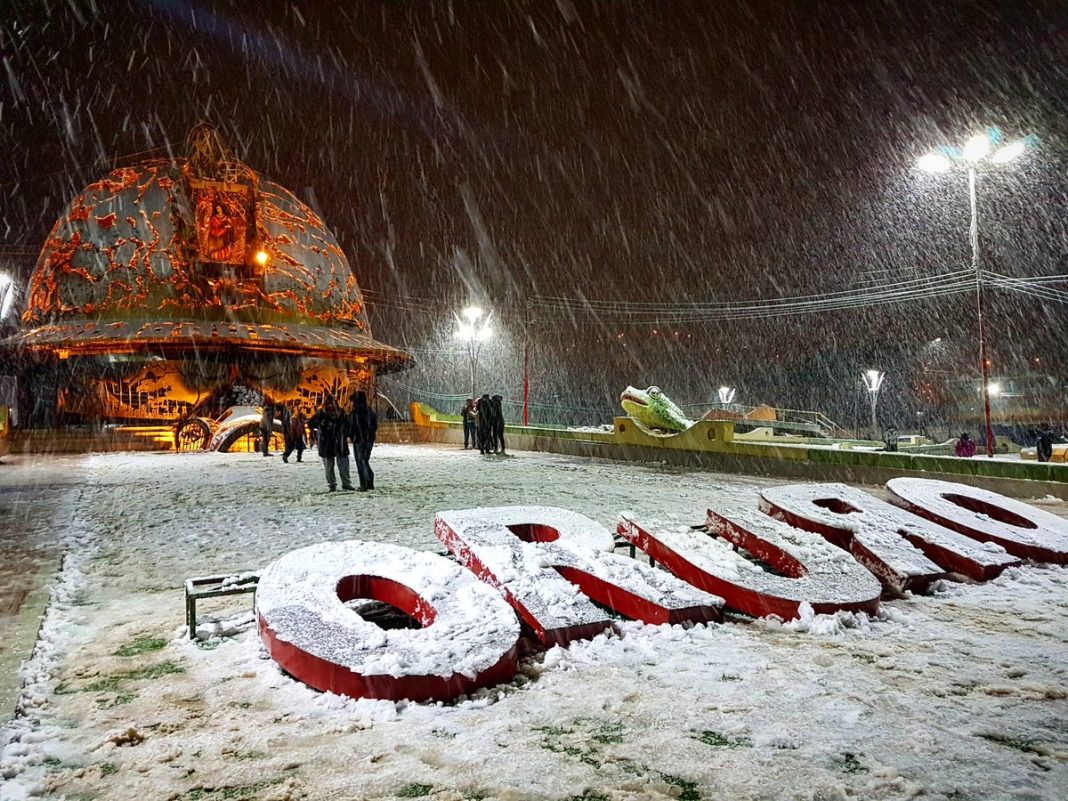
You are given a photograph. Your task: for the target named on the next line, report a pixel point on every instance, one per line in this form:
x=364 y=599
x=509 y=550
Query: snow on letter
x=1020 y=529
x=550 y=562
x=813 y=570
x=903 y=550
x=469 y=636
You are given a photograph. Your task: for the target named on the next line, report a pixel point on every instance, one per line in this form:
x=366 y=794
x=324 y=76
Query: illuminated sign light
x=830 y=548
x=7 y=295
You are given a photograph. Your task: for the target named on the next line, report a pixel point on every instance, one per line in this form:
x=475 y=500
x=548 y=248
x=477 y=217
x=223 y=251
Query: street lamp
x=473 y=333
x=726 y=395
x=873 y=380
x=980 y=150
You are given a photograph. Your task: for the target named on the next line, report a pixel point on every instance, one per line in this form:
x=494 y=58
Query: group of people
x=1044 y=441
x=332 y=431
x=483 y=424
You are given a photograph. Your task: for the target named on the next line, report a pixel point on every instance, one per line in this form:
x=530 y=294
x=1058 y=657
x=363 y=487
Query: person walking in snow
x=295 y=437
x=965 y=448
x=333 y=449
x=467 y=414
x=266 y=426
x=363 y=427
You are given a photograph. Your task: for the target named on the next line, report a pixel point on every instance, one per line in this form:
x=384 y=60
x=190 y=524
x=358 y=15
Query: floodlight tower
x=981 y=150
x=473 y=330
x=873 y=380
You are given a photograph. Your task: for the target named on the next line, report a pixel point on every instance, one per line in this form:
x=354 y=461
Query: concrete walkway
x=32 y=511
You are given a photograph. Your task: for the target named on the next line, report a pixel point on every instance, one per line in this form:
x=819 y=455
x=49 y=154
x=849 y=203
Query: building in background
x=175 y=288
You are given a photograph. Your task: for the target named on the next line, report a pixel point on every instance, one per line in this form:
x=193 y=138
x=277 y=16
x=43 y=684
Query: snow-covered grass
x=960 y=694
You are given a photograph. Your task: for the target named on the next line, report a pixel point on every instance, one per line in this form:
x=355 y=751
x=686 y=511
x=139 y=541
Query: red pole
x=526 y=382
x=984 y=367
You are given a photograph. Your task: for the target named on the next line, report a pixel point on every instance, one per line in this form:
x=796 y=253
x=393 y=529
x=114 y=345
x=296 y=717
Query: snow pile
x=958 y=695
x=471 y=629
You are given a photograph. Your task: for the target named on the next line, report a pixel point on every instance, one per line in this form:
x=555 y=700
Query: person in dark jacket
x=1044 y=444
x=333 y=450
x=266 y=426
x=485 y=421
x=363 y=426
x=498 y=425
x=467 y=414
x=295 y=437
x=965 y=447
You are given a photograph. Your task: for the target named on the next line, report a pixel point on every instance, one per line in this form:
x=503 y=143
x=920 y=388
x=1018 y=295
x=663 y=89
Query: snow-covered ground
x=962 y=694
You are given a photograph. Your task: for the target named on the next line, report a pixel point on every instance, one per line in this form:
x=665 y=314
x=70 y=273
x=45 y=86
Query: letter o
x=469 y=635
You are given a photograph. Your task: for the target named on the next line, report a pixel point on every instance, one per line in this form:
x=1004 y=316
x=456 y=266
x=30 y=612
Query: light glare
x=933 y=162
x=873 y=380
x=977 y=147
x=1009 y=152
x=472 y=313
x=7 y=296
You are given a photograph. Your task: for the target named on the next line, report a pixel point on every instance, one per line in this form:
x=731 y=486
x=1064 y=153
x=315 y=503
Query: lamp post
x=981 y=150
x=473 y=330
x=873 y=380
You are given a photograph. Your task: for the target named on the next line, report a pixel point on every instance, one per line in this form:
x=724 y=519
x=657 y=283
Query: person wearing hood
x=363 y=427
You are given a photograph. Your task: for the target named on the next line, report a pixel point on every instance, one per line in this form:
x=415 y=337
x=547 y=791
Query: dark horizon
x=499 y=153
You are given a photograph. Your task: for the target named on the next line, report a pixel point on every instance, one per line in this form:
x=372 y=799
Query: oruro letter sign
x=830 y=546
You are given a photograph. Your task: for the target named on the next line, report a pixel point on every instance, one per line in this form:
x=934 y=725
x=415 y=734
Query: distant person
x=333 y=449
x=266 y=427
x=294 y=433
x=890 y=437
x=363 y=427
x=498 y=425
x=965 y=448
x=485 y=420
x=1044 y=444
x=467 y=414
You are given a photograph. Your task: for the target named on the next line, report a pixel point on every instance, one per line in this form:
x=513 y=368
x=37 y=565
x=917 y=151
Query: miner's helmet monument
x=167 y=284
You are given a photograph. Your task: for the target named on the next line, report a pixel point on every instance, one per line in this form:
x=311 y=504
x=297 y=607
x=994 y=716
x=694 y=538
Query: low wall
x=74 y=440
x=710 y=444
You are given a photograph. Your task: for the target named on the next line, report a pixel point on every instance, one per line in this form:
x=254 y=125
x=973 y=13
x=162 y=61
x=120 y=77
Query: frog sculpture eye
x=655 y=392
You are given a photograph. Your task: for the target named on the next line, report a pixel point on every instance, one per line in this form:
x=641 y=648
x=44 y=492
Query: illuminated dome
x=203 y=263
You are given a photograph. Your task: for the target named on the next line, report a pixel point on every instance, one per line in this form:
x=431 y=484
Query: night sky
x=662 y=152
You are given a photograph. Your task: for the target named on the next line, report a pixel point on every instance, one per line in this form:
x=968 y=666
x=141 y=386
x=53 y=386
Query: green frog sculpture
x=654 y=411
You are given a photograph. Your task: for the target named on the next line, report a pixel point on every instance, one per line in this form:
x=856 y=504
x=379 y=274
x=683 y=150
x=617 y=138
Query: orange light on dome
x=262 y=257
